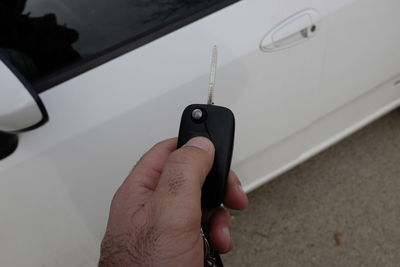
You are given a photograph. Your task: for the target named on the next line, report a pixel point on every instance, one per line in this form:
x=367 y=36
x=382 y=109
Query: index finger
x=235 y=197
x=144 y=177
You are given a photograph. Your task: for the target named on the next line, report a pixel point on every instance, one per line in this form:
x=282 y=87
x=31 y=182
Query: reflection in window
x=34 y=45
x=40 y=37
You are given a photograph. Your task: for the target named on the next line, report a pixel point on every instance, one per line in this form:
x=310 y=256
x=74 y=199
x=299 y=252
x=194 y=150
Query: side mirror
x=20 y=107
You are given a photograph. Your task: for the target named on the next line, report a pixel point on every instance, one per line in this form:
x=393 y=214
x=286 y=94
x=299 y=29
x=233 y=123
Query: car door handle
x=292 y=31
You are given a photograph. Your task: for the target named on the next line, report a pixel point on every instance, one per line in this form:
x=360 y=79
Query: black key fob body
x=217 y=124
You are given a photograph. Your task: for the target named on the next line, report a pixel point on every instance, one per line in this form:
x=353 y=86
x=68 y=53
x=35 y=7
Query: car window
x=50 y=41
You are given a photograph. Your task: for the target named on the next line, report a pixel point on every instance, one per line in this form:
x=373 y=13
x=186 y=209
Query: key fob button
x=197 y=115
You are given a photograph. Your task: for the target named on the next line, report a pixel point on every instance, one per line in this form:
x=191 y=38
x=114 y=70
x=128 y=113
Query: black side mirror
x=20 y=108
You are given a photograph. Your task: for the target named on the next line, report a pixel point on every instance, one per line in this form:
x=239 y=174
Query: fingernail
x=226 y=232
x=240 y=188
x=199 y=142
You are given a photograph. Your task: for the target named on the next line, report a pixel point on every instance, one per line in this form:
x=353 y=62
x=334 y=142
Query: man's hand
x=156 y=214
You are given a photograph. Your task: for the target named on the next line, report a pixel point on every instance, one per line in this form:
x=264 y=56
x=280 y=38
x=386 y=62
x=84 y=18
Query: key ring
x=211 y=258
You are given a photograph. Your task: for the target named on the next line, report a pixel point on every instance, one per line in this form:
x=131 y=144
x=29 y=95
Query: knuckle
x=181 y=167
x=182 y=222
x=176 y=179
x=190 y=159
x=139 y=161
x=183 y=156
x=117 y=198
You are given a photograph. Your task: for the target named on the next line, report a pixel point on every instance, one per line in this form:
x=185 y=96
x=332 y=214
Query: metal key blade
x=213 y=75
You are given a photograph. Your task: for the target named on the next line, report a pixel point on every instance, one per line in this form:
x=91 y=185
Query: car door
x=106 y=110
x=361 y=54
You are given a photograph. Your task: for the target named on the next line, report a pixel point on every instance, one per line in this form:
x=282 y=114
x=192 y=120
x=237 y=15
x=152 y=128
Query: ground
x=340 y=208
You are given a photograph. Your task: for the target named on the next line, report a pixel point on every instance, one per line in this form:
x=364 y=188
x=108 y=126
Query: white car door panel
x=289 y=104
x=63 y=175
x=361 y=52
x=359 y=82
x=292 y=95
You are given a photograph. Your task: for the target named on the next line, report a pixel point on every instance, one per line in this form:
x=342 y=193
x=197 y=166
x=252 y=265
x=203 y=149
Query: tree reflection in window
x=34 y=45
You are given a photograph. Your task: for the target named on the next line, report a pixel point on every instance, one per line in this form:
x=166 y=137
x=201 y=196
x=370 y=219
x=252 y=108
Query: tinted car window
x=49 y=41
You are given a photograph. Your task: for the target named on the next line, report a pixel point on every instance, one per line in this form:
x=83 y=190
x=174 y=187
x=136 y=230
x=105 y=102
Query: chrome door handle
x=292 y=31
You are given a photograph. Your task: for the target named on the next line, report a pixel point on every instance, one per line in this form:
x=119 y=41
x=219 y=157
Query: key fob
x=217 y=124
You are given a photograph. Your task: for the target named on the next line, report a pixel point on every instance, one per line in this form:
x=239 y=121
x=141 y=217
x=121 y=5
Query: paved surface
x=340 y=208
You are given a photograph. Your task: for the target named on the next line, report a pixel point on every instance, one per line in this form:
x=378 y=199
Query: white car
x=113 y=77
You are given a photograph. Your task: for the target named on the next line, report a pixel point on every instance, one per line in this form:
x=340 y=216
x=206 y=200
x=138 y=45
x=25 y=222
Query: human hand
x=155 y=215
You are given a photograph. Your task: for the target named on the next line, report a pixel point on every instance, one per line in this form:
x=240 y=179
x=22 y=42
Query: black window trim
x=113 y=52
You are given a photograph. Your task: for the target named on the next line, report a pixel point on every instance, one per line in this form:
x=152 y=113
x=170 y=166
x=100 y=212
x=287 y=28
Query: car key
x=217 y=124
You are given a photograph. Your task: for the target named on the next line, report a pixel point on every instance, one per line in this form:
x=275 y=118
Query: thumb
x=178 y=192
